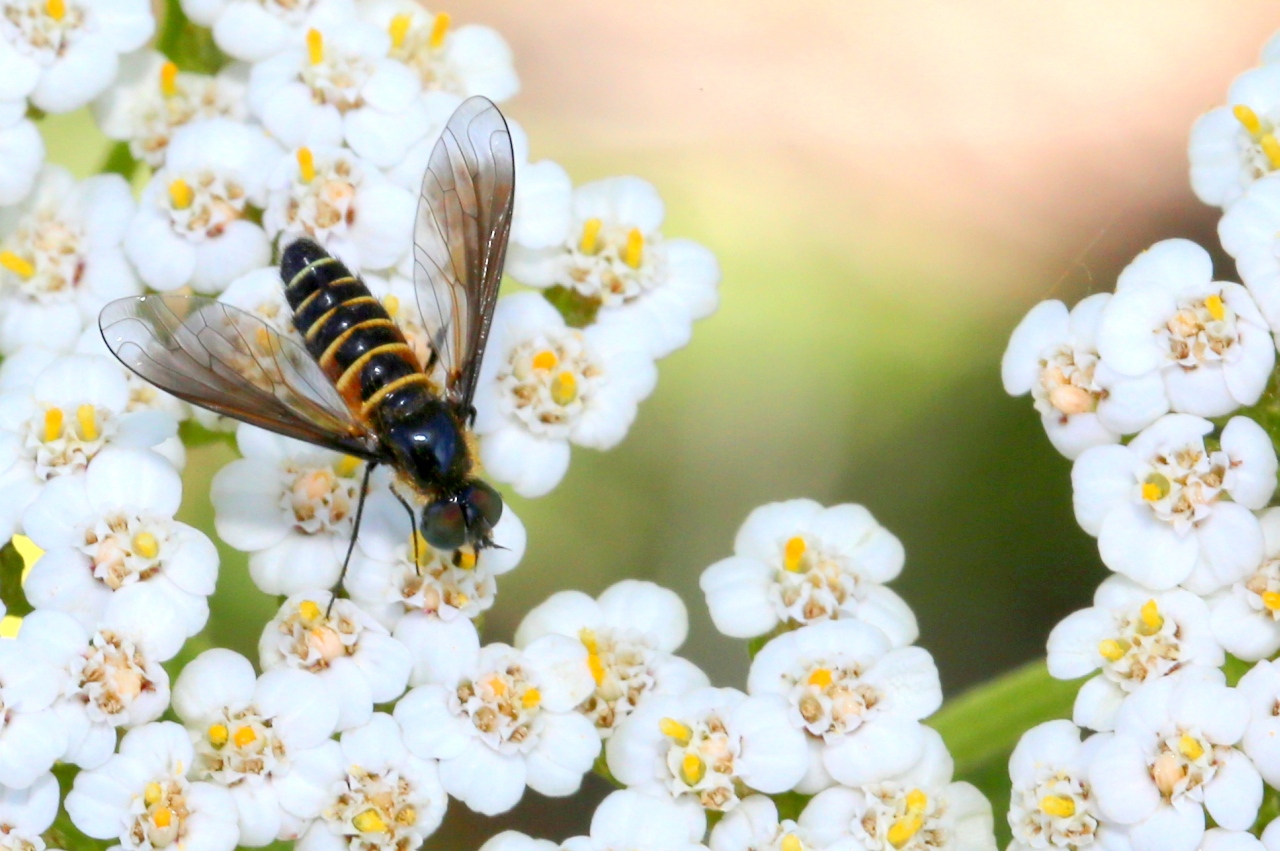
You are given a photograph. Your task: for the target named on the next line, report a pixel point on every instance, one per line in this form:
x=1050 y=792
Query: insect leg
x=355 y=531
x=413 y=523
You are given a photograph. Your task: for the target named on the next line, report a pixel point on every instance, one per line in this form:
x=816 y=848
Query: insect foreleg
x=355 y=531
x=413 y=523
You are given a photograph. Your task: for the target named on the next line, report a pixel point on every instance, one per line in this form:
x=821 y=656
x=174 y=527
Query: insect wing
x=460 y=239
x=229 y=361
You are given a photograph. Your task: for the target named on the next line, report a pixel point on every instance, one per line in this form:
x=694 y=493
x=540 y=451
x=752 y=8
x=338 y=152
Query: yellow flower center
x=315 y=46
x=564 y=388
x=181 y=195
x=398 y=29
x=17 y=265
x=680 y=733
x=52 y=424
x=589 y=244
x=1214 y=305
x=633 y=252
x=168 y=79
x=56 y=9
x=86 y=418
x=306 y=163
x=218 y=735
x=545 y=359
x=245 y=736
x=439 y=29
x=793 y=553
x=370 y=821
x=1058 y=806
x=146 y=545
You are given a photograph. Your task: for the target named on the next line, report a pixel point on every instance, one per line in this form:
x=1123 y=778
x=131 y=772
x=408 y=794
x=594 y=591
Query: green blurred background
x=889 y=186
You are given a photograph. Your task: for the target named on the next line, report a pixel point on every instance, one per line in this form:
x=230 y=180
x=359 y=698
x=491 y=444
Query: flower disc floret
x=25 y=814
x=1169 y=509
x=797 y=563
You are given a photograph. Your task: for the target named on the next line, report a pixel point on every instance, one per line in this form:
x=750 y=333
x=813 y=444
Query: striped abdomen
x=347 y=330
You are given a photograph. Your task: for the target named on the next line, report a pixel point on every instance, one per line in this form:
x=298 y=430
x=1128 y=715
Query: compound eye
x=486 y=502
x=444 y=526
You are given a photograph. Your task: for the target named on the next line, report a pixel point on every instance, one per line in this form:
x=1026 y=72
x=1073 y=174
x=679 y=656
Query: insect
x=356 y=386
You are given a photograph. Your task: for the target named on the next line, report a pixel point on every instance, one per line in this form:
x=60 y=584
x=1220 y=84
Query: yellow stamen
x=1213 y=304
x=1271 y=148
x=633 y=253
x=52 y=424
x=461 y=600
x=369 y=821
x=315 y=46
x=181 y=194
x=1059 y=806
x=903 y=829
x=146 y=545
x=821 y=677
x=152 y=793
x=1151 y=619
x=407 y=817
x=590 y=233
x=87 y=420
x=168 y=79
x=1248 y=118
x=308 y=610
x=439 y=29
x=681 y=734
x=17 y=265
x=347 y=466
x=917 y=801
x=162 y=817
x=1155 y=488
x=1271 y=600
x=218 y=735
x=545 y=359
x=497 y=686
x=564 y=388
x=531 y=698
x=392 y=304
x=399 y=28
x=596 y=666
x=56 y=9
x=791 y=842
x=589 y=640
x=1112 y=650
x=307 y=164
x=1190 y=748
x=692 y=770
x=793 y=553
x=245 y=736
x=465 y=558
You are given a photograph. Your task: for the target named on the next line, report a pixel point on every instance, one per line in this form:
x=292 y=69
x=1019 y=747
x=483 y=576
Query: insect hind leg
x=355 y=533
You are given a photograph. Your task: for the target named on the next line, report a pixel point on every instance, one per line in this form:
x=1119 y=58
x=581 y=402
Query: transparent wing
x=229 y=361
x=460 y=240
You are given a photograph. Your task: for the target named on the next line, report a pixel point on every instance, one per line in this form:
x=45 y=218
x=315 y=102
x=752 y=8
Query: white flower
x=1217 y=839
x=191 y=225
x=755 y=826
x=1172 y=758
x=335 y=84
x=63 y=53
x=110 y=534
x=386 y=582
x=1133 y=635
x=796 y=562
x=22 y=152
x=920 y=811
x=1051 y=803
x=32 y=736
x=1261 y=690
x=109 y=678
x=545 y=385
x=631 y=633
x=1157 y=507
x=631 y=821
x=1234 y=145
x=463 y=61
x=706 y=745
x=342 y=202
x=1082 y=402
x=253 y=30
x=542 y=212
x=291 y=506
x=153 y=98
x=614 y=257
x=499 y=718
x=1248 y=233
x=511 y=840
x=345 y=648
x=1246 y=617
x=27 y=813
x=859 y=700
x=61 y=259
x=74 y=407
x=380 y=796
x=1206 y=339
x=261 y=737
x=141 y=797
x=261 y=292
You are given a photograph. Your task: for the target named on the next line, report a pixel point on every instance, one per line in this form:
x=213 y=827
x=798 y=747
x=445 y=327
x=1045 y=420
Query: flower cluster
x=373 y=699
x=1161 y=393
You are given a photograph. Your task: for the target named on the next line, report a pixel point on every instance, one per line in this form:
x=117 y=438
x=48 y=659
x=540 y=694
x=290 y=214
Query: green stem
x=11 y=593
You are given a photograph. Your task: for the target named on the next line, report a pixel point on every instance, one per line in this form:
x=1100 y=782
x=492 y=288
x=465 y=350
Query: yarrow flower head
x=630 y=633
x=614 y=258
x=1246 y=617
x=25 y=814
x=797 y=563
x=61 y=258
x=1051 y=804
x=1160 y=509
x=631 y=821
x=498 y=718
x=1234 y=145
x=1082 y=402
